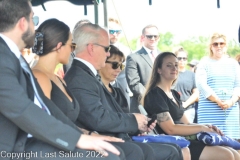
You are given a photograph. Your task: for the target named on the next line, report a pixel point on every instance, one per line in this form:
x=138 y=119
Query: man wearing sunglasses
x=99 y=114
x=114 y=35
x=139 y=64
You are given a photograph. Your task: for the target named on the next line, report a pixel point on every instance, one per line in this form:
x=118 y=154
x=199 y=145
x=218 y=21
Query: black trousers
x=161 y=151
x=38 y=150
x=150 y=151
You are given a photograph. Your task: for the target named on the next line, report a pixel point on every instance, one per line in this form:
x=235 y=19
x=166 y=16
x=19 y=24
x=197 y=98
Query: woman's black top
x=157 y=101
x=70 y=109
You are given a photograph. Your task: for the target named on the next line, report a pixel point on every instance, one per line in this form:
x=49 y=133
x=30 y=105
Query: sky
x=183 y=18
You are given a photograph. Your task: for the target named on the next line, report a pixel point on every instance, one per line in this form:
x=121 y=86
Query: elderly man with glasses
x=139 y=64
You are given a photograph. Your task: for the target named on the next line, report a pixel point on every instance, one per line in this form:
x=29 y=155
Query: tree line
x=197 y=47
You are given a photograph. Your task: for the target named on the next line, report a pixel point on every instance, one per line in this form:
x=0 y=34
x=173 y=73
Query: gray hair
x=85 y=34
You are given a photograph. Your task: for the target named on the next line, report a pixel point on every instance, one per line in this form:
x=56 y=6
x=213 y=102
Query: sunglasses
x=151 y=36
x=111 y=31
x=35 y=20
x=115 y=65
x=72 y=45
x=182 y=58
x=221 y=44
x=106 y=48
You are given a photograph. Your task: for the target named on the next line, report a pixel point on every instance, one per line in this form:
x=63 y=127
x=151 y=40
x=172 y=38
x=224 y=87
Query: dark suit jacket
x=96 y=112
x=19 y=115
x=138 y=71
x=121 y=83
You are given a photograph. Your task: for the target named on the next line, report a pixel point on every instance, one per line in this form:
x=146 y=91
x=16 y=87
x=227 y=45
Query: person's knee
x=186 y=153
x=216 y=152
x=235 y=153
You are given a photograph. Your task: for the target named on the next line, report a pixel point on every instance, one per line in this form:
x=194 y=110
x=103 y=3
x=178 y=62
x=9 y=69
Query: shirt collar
x=13 y=47
x=87 y=64
x=148 y=50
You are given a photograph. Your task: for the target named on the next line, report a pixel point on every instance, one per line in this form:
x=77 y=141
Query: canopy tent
x=85 y=3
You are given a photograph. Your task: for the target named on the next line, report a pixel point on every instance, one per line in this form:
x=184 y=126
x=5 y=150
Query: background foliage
x=197 y=47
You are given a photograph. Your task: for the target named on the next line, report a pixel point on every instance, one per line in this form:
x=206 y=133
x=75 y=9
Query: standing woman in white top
x=218 y=81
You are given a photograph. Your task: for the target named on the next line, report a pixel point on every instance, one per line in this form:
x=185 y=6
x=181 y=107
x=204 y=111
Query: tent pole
x=96 y=11
x=105 y=10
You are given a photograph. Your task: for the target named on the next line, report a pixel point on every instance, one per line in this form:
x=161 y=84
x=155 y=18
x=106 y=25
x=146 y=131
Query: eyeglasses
x=35 y=20
x=73 y=46
x=151 y=36
x=221 y=44
x=106 y=48
x=111 y=31
x=115 y=65
x=182 y=58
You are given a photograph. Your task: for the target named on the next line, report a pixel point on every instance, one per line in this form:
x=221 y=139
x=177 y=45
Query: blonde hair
x=213 y=37
x=114 y=20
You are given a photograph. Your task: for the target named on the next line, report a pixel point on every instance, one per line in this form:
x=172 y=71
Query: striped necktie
x=98 y=77
x=26 y=68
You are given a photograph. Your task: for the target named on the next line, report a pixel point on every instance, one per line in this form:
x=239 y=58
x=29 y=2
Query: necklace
x=169 y=94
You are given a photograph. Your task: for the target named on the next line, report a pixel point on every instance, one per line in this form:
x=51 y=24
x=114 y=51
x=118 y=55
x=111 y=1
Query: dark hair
x=11 y=11
x=115 y=51
x=155 y=77
x=54 y=31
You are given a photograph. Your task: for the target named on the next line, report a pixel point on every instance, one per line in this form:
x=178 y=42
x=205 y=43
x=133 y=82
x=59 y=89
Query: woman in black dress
x=160 y=99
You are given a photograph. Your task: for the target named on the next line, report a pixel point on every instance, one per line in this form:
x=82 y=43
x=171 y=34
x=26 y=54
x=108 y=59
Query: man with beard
x=29 y=129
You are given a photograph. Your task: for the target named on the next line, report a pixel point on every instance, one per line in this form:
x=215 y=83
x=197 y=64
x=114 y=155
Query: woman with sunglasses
x=218 y=81
x=165 y=102
x=185 y=85
x=114 y=65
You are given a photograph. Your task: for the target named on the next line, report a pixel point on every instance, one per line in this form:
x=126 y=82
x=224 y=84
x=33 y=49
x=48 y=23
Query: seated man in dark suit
x=97 y=113
x=29 y=128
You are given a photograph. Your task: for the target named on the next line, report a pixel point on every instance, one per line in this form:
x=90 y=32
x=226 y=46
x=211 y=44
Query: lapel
x=23 y=77
x=112 y=99
x=81 y=65
x=143 y=53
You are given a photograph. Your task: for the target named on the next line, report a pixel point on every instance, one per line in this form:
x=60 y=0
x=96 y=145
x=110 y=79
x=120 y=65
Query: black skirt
x=196 y=148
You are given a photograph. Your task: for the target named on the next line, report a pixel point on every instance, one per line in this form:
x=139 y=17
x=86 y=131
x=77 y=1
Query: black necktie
x=26 y=68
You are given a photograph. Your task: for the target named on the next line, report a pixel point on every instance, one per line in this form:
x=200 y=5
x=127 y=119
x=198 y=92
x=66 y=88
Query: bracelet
x=90 y=132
